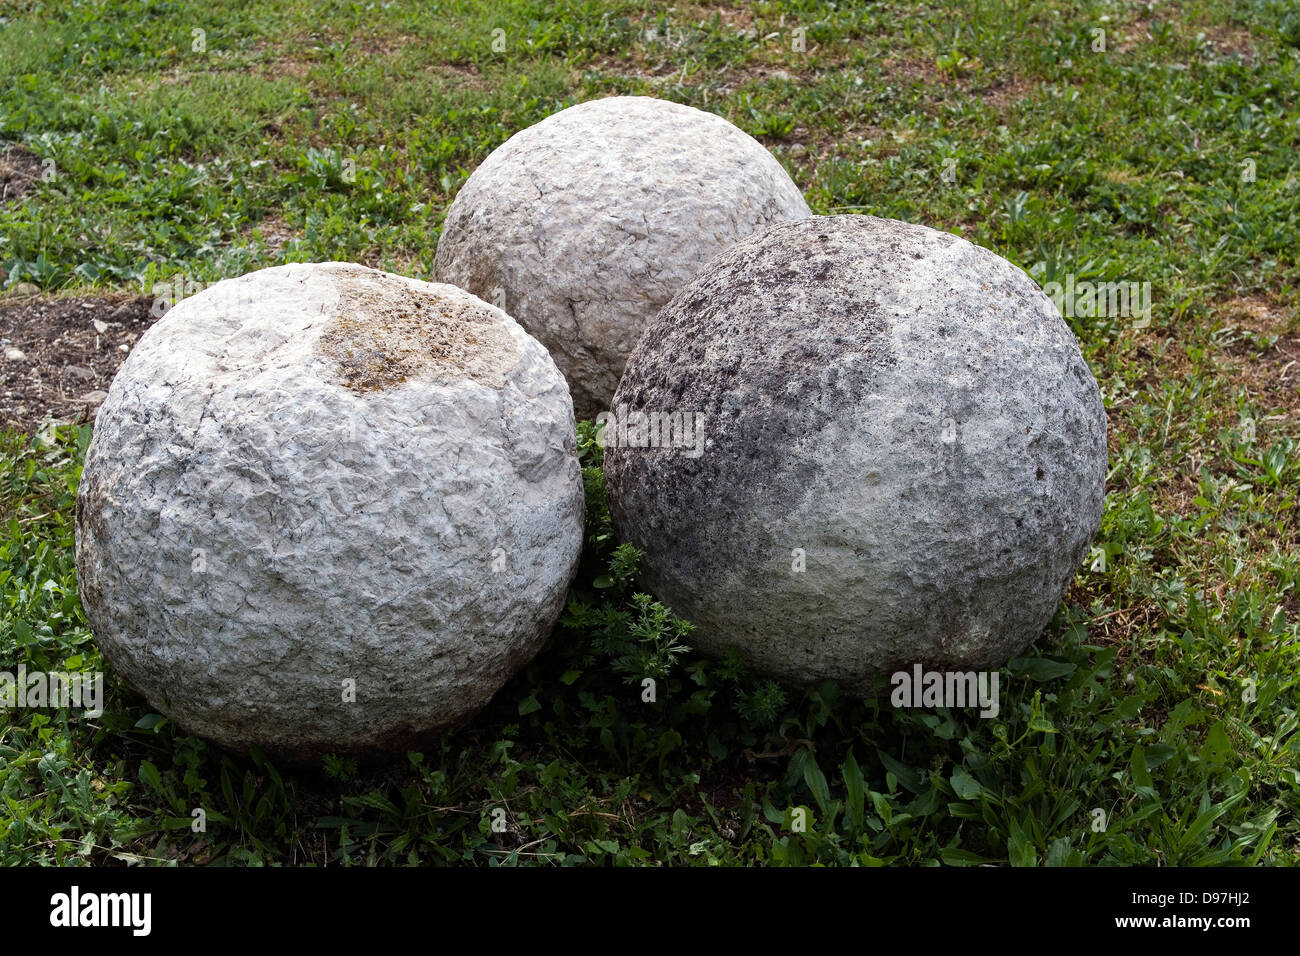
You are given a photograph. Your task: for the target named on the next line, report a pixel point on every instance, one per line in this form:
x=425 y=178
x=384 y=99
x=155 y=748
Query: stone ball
x=583 y=226
x=852 y=445
x=326 y=509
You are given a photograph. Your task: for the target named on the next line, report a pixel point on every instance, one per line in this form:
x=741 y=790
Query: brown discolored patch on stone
x=19 y=168
x=387 y=333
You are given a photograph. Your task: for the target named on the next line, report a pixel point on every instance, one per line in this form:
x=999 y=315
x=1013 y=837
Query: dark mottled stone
x=905 y=407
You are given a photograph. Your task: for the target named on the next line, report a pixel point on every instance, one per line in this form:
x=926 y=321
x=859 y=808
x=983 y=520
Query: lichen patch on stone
x=386 y=332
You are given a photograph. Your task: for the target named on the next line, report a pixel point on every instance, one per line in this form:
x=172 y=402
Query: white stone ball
x=854 y=445
x=584 y=225
x=328 y=510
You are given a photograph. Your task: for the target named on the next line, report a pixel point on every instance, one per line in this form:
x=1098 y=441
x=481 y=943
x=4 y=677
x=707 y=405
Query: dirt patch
x=660 y=72
x=19 y=168
x=1259 y=315
x=60 y=354
x=1007 y=92
x=1134 y=35
x=912 y=70
x=1222 y=41
x=1002 y=94
x=1272 y=377
x=274 y=233
x=690 y=20
x=286 y=66
x=1128 y=36
x=295 y=64
x=1227 y=42
x=1175 y=495
x=399 y=259
x=383 y=44
x=458 y=75
x=1260 y=339
x=740 y=17
x=1161 y=355
x=655 y=56
x=388 y=332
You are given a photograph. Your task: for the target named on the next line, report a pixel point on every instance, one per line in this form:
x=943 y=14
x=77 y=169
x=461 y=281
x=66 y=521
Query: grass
x=1155 y=722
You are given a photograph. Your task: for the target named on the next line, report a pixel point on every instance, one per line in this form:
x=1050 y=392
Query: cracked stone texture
x=583 y=226
x=907 y=408
x=321 y=473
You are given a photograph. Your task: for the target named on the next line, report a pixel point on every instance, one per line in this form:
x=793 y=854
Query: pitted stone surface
x=584 y=225
x=317 y=474
x=904 y=411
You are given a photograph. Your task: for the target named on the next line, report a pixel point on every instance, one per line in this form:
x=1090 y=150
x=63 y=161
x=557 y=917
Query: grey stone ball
x=887 y=450
x=584 y=225
x=327 y=509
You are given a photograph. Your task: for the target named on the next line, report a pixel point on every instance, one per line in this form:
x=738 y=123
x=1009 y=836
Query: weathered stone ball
x=584 y=225
x=852 y=445
x=327 y=509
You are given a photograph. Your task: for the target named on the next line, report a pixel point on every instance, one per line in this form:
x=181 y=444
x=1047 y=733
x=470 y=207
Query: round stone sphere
x=327 y=509
x=583 y=226
x=853 y=445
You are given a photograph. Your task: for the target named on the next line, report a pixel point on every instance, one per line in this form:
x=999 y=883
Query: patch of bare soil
x=738 y=16
x=459 y=75
x=1258 y=314
x=274 y=232
x=58 y=355
x=1227 y=41
x=1006 y=92
x=1134 y=35
x=1274 y=376
x=1265 y=360
x=19 y=168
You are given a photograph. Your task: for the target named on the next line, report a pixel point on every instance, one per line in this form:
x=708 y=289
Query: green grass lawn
x=1155 y=723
